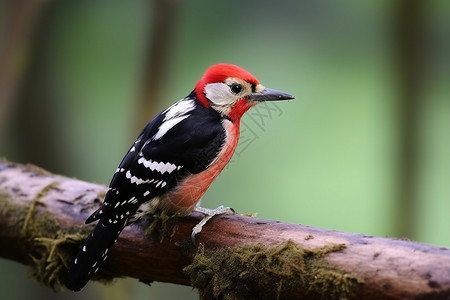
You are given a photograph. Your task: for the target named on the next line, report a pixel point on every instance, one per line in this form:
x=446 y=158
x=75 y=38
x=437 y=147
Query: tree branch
x=42 y=225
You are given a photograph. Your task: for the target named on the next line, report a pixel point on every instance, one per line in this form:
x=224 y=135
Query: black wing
x=153 y=166
x=176 y=143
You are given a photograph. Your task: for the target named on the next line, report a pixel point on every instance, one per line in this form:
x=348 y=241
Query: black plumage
x=174 y=152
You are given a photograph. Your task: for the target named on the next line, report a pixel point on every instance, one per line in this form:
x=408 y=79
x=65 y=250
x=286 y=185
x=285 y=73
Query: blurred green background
x=363 y=148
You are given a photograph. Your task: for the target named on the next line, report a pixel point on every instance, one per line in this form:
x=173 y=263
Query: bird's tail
x=93 y=253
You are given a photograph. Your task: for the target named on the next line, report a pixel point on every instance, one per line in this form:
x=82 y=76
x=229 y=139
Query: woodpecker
x=173 y=161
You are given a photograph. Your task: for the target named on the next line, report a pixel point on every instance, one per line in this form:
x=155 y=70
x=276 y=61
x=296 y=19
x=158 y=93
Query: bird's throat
x=239 y=109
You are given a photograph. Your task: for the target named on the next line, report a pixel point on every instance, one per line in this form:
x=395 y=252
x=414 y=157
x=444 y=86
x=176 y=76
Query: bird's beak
x=270 y=95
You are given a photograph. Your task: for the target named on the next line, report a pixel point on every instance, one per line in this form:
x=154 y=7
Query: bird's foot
x=209 y=213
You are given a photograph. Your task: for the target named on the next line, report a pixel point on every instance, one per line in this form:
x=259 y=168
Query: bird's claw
x=209 y=213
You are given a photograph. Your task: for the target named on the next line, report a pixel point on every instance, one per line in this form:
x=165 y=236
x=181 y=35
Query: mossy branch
x=42 y=225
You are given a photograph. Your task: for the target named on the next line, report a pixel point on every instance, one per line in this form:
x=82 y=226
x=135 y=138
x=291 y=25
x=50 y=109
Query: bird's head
x=232 y=90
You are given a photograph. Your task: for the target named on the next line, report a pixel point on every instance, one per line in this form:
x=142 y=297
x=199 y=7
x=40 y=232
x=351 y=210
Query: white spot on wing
x=133 y=200
x=153 y=165
x=136 y=180
x=174 y=115
x=158 y=166
x=171 y=168
x=161 y=167
x=167 y=125
x=180 y=108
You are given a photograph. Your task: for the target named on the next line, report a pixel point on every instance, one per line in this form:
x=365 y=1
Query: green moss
x=52 y=258
x=101 y=195
x=32 y=208
x=163 y=223
x=259 y=272
x=249 y=214
x=51 y=250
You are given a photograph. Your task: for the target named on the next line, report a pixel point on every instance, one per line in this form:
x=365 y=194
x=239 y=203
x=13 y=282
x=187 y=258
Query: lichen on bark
x=275 y=272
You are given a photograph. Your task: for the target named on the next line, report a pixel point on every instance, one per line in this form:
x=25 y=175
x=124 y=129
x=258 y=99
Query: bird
x=173 y=161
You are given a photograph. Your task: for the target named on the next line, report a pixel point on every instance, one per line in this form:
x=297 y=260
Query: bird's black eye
x=236 y=88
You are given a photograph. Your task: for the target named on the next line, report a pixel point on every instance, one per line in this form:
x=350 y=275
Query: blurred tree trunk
x=409 y=58
x=18 y=20
x=36 y=123
x=156 y=65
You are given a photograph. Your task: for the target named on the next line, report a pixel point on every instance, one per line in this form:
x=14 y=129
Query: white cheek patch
x=219 y=93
